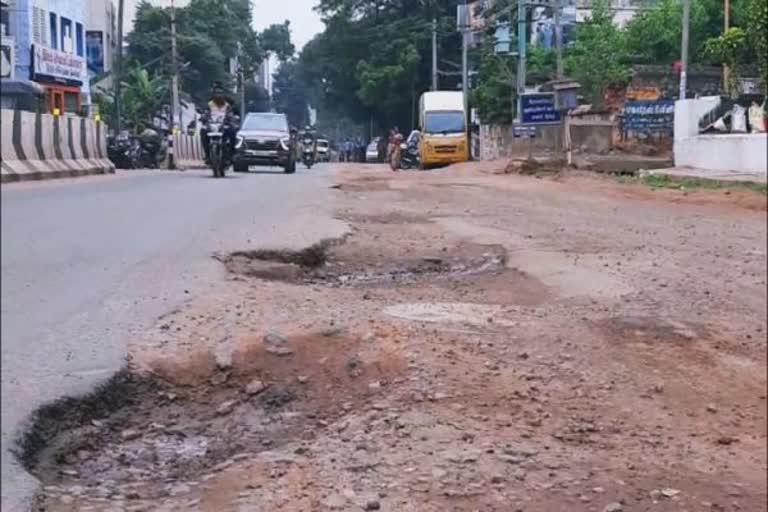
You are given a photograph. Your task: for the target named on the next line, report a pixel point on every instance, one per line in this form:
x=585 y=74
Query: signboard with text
x=538 y=108
x=58 y=65
x=649 y=116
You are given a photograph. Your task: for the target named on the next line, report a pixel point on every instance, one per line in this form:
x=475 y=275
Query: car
x=264 y=139
x=323 y=150
x=372 y=151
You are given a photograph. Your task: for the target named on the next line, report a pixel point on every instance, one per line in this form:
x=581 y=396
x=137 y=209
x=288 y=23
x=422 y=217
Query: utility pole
x=684 y=59
x=522 y=45
x=174 y=88
x=241 y=79
x=117 y=76
x=434 y=54
x=727 y=20
x=559 y=38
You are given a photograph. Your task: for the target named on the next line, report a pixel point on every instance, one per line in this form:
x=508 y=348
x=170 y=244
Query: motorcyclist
x=150 y=143
x=308 y=141
x=221 y=107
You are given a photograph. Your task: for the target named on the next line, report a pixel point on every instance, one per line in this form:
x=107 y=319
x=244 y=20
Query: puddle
x=145 y=431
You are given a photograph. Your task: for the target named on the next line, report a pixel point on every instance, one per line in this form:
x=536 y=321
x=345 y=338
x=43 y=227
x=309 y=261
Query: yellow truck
x=444 y=137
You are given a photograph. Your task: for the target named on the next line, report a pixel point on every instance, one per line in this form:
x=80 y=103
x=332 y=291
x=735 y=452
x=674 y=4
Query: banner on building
x=58 y=65
x=94 y=51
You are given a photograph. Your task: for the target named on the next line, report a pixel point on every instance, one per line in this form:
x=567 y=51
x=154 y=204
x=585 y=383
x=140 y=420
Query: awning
x=20 y=87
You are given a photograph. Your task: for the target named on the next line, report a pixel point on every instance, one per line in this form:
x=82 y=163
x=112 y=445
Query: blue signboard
x=649 y=116
x=538 y=108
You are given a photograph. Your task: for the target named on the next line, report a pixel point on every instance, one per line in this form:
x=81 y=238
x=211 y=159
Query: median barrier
x=40 y=146
x=188 y=151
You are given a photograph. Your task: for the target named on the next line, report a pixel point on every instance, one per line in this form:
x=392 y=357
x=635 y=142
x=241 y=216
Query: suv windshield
x=266 y=122
x=444 y=122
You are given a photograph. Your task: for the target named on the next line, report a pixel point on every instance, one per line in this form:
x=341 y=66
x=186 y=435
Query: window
x=67 y=42
x=39 y=29
x=79 y=39
x=54 y=32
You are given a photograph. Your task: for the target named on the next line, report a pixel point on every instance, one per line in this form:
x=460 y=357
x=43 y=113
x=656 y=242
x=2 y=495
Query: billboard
x=94 y=51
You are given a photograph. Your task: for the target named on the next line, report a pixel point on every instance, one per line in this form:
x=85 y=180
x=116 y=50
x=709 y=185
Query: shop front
x=62 y=76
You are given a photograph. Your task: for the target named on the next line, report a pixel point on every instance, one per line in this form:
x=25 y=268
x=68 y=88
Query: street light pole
x=118 y=74
x=434 y=54
x=559 y=38
x=684 y=51
x=727 y=25
x=174 y=89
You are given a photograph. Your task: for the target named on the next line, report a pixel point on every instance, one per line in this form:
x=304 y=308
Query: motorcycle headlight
x=239 y=142
x=285 y=144
x=403 y=146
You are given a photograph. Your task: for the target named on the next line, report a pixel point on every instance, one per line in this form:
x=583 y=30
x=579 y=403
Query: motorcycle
x=219 y=150
x=409 y=156
x=308 y=151
x=122 y=150
x=151 y=151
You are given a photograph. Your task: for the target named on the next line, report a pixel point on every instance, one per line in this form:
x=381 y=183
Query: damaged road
x=477 y=341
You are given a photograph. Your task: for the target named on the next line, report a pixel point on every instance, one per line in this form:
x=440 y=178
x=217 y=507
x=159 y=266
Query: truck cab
x=444 y=137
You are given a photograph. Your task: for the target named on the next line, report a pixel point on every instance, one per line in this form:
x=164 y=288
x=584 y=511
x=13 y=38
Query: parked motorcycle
x=151 y=150
x=122 y=150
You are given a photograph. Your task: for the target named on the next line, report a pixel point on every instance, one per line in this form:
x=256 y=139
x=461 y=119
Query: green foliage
x=257 y=98
x=492 y=95
x=654 y=36
x=209 y=33
x=757 y=35
x=290 y=94
x=729 y=49
x=374 y=58
x=598 y=58
x=144 y=97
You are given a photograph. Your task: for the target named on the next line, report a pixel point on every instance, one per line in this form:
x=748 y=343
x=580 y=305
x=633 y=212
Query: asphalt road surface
x=88 y=263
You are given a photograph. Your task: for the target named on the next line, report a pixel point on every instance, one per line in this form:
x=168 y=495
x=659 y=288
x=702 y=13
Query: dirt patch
x=144 y=431
x=323 y=266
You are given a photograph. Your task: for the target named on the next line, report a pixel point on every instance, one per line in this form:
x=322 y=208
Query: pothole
x=145 y=432
x=327 y=265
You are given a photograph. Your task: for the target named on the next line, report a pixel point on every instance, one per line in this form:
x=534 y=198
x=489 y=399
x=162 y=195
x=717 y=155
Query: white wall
x=727 y=152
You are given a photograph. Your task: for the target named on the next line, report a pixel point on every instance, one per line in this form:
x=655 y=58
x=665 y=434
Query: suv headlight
x=239 y=143
x=285 y=143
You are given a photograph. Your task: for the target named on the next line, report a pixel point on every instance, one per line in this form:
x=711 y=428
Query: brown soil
x=613 y=355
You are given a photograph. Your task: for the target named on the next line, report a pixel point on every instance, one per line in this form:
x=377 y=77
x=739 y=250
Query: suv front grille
x=262 y=145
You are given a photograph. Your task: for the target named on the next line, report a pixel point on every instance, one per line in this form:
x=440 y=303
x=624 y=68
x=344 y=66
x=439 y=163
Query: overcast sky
x=305 y=22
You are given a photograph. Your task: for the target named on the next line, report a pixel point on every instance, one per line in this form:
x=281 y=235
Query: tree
x=757 y=35
x=257 y=98
x=209 y=34
x=290 y=94
x=729 y=49
x=144 y=97
x=598 y=56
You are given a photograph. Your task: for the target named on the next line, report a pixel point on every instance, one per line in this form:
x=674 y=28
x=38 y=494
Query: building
x=49 y=49
x=264 y=76
x=100 y=37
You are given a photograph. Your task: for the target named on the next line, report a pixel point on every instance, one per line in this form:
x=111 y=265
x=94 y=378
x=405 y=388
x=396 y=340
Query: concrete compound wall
x=589 y=135
x=727 y=152
x=39 y=146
